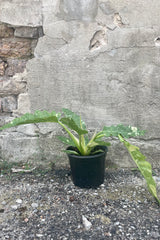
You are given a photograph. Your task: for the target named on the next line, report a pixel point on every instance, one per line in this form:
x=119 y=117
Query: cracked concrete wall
x=98 y=58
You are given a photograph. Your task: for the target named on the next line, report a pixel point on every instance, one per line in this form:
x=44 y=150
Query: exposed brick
x=15 y=66
x=23 y=104
x=6 y=31
x=9 y=104
x=28 y=32
x=13 y=85
x=15 y=48
x=3 y=66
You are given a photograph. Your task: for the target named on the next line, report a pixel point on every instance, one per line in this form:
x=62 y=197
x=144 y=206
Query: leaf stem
x=75 y=140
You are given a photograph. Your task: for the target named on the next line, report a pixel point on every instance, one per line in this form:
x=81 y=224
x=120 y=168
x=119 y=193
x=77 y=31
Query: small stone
x=14 y=207
x=43 y=220
x=4 y=203
x=79 y=226
x=132 y=227
x=34 y=205
x=155 y=235
x=86 y=223
x=71 y=199
x=39 y=235
x=116 y=223
x=19 y=201
x=108 y=234
x=95 y=194
x=124 y=206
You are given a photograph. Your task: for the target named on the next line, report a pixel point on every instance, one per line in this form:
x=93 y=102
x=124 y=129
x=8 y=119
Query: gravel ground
x=46 y=205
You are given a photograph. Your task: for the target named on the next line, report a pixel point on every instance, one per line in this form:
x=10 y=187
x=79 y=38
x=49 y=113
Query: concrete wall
x=98 y=58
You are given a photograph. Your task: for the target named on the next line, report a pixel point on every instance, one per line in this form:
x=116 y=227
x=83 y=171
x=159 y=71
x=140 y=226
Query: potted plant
x=87 y=155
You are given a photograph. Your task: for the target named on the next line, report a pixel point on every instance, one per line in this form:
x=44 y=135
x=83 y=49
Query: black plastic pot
x=88 y=171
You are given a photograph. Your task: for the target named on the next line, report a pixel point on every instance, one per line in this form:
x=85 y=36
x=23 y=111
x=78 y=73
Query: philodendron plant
x=78 y=138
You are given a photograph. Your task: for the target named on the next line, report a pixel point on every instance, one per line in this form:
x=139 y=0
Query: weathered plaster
x=98 y=58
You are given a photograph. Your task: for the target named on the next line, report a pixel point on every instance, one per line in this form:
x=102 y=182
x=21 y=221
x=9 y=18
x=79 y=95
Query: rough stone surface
x=6 y=31
x=3 y=66
x=15 y=48
x=28 y=32
x=24 y=147
x=23 y=104
x=14 y=85
x=15 y=66
x=9 y=104
x=17 y=45
x=98 y=58
x=85 y=10
x=21 y=12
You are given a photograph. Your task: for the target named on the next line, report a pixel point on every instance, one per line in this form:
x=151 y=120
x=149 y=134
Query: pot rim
x=89 y=156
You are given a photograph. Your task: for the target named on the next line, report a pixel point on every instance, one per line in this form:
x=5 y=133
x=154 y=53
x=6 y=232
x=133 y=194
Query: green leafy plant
x=83 y=145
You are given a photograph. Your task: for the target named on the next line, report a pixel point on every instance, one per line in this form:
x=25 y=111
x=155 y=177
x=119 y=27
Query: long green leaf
x=125 y=131
x=71 y=152
x=37 y=117
x=103 y=143
x=76 y=118
x=69 y=122
x=67 y=141
x=73 y=138
x=97 y=143
x=143 y=165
